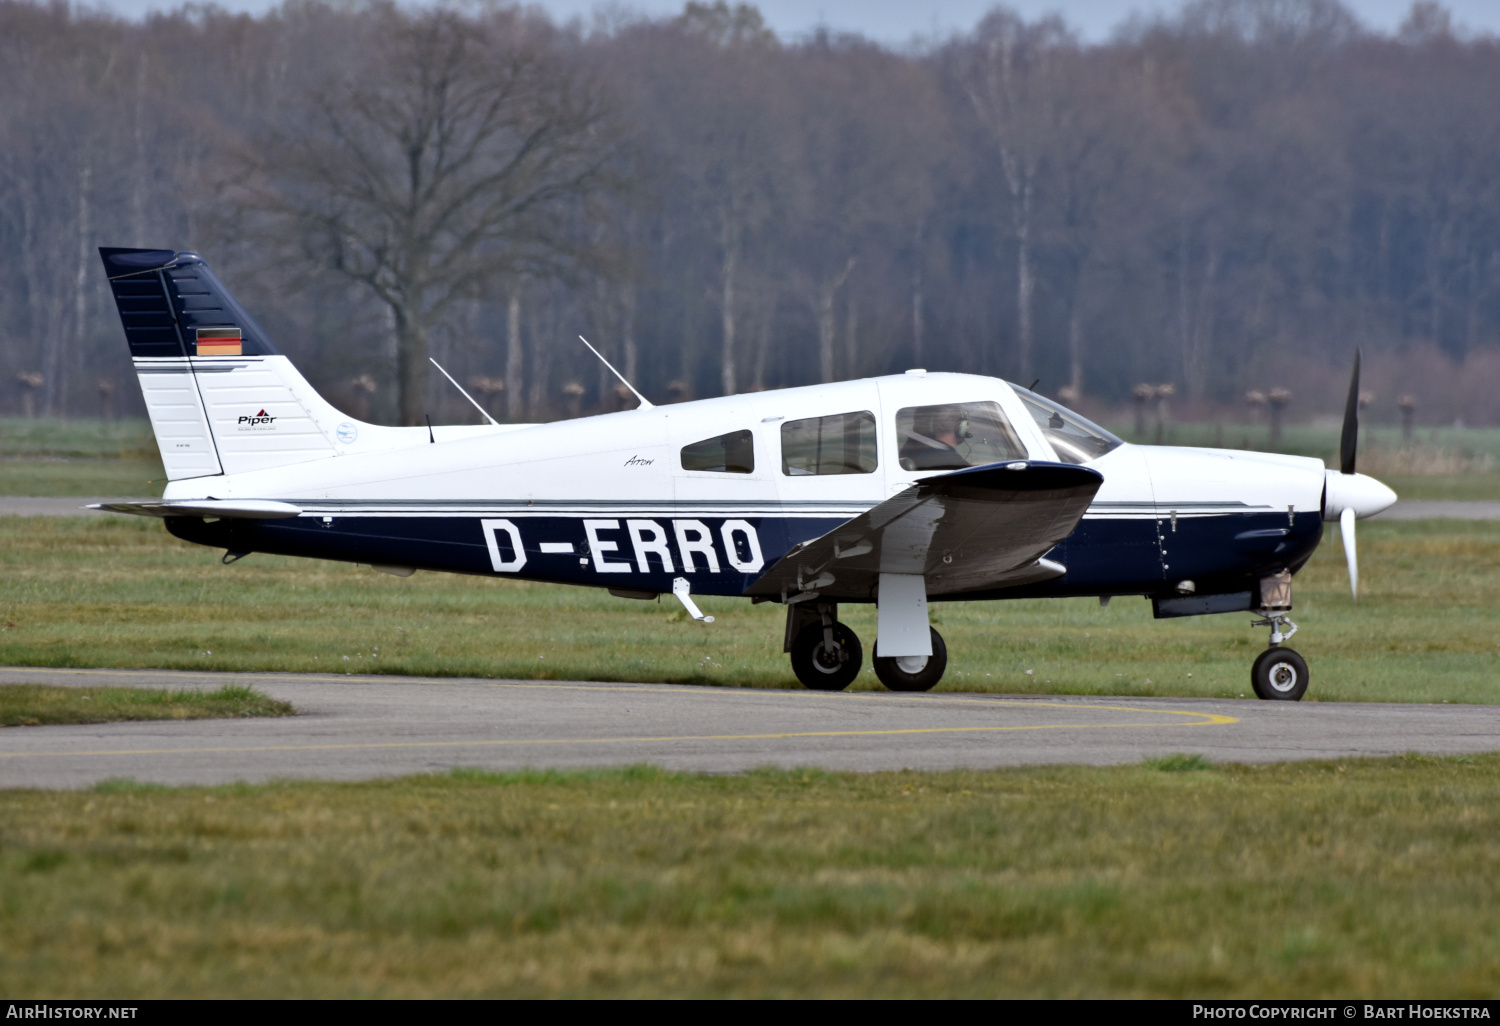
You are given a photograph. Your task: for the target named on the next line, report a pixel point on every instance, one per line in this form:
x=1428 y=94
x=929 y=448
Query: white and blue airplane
x=897 y=490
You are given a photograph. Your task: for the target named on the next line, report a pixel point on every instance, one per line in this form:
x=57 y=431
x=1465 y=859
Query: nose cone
x=1359 y=492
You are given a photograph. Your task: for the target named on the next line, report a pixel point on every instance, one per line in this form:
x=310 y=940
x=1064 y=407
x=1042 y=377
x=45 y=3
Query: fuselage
x=626 y=500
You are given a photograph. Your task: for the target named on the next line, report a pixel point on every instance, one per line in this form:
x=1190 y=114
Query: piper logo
x=260 y=420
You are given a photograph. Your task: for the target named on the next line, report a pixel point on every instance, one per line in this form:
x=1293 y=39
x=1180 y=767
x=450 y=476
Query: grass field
x=119 y=591
x=79 y=438
x=29 y=705
x=1370 y=878
x=1447 y=487
x=73 y=458
x=77 y=478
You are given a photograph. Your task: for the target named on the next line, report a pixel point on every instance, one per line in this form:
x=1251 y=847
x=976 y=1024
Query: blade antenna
x=466 y=395
x=646 y=404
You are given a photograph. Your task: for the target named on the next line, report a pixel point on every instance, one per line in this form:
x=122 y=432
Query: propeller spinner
x=1348 y=495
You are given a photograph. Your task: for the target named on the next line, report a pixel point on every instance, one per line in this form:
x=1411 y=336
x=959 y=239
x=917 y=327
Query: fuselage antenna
x=646 y=404
x=466 y=395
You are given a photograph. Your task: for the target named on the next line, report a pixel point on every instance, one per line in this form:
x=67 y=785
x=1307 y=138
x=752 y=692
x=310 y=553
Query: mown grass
x=49 y=456
x=1312 y=879
x=83 y=438
x=25 y=705
x=70 y=478
x=119 y=591
x=1483 y=487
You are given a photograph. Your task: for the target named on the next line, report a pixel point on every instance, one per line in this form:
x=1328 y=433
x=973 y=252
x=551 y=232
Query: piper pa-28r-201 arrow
x=897 y=490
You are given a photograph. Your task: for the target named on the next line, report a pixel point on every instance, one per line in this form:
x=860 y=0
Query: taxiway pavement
x=358 y=727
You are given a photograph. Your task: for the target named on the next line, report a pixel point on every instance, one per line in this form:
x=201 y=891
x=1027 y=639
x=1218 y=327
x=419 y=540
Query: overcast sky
x=897 y=21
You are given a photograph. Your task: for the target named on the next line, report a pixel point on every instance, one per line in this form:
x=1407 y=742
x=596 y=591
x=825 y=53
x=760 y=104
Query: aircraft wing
x=229 y=509
x=982 y=527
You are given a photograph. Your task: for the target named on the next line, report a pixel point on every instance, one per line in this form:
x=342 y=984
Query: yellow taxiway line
x=1209 y=720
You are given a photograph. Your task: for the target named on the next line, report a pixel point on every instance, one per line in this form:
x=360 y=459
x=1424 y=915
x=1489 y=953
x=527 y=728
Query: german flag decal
x=219 y=342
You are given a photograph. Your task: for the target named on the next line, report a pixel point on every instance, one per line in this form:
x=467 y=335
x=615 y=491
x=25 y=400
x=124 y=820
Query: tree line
x=1227 y=199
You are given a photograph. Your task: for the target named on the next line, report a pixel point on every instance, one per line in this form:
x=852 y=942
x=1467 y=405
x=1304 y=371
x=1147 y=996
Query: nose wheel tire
x=1279 y=675
x=824 y=668
x=913 y=673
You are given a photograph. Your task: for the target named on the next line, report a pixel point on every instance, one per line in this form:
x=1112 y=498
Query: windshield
x=1075 y=439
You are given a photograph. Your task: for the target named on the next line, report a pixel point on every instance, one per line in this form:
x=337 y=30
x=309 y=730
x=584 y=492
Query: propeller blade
x=1349 y=440
x=1351 y=555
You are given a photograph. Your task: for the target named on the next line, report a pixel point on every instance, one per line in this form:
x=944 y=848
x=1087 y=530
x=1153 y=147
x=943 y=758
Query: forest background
x=1228 y=199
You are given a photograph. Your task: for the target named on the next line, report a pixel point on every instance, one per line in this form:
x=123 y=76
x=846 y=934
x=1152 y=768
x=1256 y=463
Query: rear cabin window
x=954 y=436
x=841 y=444
x=733 y=453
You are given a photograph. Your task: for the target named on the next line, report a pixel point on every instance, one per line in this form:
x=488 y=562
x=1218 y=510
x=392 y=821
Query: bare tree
x=1239 y=184
x=707 y=90
x=457 y=156
x=1014 y=82
x=860 y=173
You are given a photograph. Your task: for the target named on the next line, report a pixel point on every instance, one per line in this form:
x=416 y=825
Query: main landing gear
x=827 y=655
x=913 y=673
x=1278 y=674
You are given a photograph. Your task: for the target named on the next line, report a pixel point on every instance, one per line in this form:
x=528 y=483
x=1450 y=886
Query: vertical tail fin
x=152 y=317
x=222 y=398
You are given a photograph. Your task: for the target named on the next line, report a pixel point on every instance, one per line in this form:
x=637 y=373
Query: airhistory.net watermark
x=47 y=1010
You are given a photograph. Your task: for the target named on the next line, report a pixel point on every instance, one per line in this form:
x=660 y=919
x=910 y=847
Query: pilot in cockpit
x=933 y=439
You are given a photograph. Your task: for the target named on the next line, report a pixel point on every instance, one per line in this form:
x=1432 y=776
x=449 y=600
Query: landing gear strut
x=1279 y=674
x=826 y=654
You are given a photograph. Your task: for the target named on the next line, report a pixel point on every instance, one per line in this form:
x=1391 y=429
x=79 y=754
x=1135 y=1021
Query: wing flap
x=982 y=527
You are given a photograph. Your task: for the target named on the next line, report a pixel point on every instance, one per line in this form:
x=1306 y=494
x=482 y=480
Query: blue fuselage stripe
x=723 y=553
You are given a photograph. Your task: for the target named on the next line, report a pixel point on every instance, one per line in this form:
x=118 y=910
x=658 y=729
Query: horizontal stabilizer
x=229 y=509
x=983 y=527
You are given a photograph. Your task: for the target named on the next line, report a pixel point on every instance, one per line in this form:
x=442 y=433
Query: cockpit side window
x=954 y=436
x=841 y=444
x=1074 y=438
x=733 y=453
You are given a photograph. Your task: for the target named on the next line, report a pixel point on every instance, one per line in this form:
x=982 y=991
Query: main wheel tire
x=913 y=673
x=822 y=669
x=1279 y=675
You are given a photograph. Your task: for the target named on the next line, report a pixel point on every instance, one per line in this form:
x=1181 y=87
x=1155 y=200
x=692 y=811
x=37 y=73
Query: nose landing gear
x=1278 y=674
